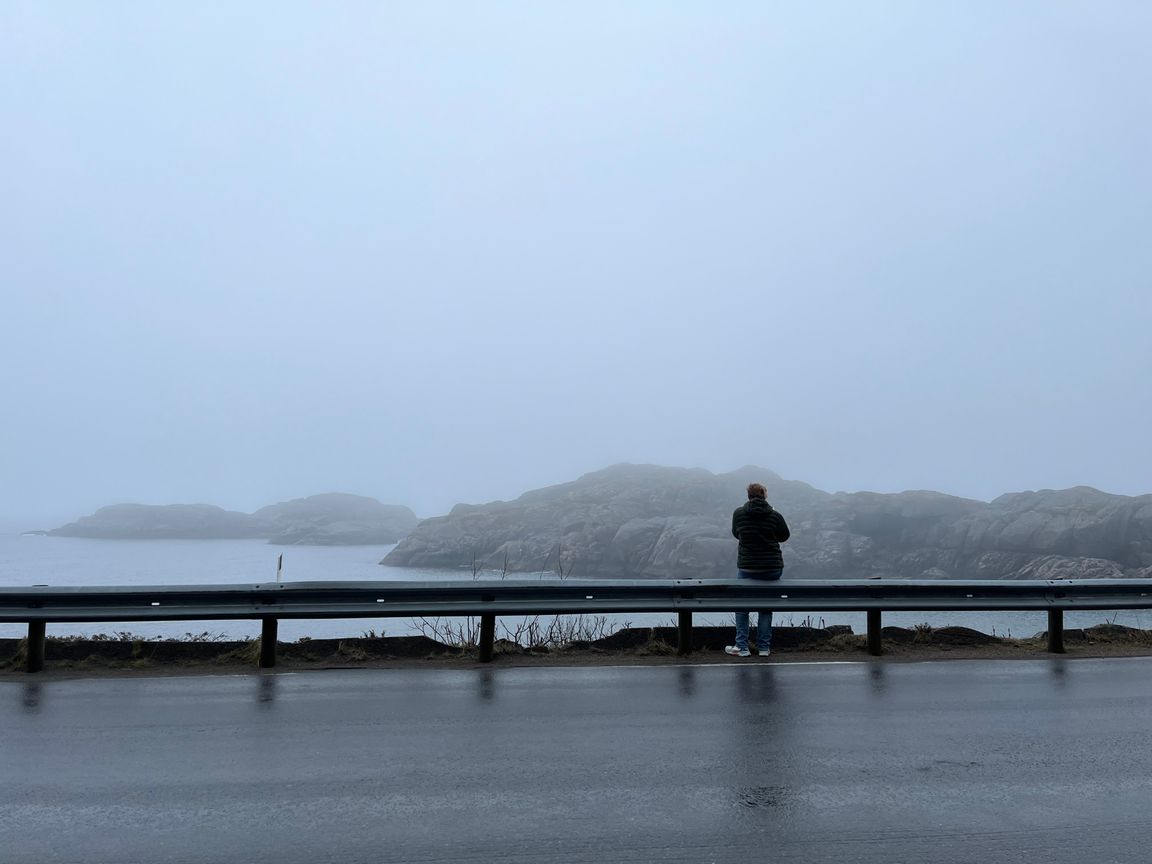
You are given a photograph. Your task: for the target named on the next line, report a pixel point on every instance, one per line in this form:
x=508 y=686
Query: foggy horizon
x=14 y=521
x=450 y=254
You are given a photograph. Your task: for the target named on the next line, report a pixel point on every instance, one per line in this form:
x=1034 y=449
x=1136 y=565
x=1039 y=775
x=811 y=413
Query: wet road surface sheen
x=1006 y=761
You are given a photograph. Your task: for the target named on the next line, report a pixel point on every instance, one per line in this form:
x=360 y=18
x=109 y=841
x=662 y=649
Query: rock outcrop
x=630 y=520
x=333 y=519
x=161 y=522
x=635 y=521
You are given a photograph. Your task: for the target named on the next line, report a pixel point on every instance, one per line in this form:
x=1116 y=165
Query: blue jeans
x=763 y=616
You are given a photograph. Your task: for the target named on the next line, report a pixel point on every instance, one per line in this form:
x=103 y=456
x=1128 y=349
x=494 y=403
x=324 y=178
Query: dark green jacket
x=760 y=530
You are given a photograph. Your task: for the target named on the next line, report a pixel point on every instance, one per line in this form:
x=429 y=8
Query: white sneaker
x=765 y=652
x=733 y=651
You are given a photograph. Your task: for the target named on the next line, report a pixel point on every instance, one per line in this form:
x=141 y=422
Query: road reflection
x=877 y=680
x=763 y=773
x=486 y=681
x=267 y=689
x=30 y=698
x=686 y=678
x=756 y=684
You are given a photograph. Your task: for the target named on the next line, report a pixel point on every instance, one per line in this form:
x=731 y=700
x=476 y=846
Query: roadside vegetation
x=568 y=639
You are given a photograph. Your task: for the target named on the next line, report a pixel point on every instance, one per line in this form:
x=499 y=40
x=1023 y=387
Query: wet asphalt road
x=1008 y=761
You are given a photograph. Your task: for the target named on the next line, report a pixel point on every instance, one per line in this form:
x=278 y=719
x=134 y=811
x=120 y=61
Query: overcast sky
x=440 y=252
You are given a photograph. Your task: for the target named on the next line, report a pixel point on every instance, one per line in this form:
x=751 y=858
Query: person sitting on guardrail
x=760 y=530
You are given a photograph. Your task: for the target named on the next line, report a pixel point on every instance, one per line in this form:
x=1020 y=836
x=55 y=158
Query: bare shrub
x=531 y=631
x=556 y=631
x=462 y=633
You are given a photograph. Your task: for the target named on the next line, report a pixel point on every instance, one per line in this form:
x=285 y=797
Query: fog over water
x=438 y=252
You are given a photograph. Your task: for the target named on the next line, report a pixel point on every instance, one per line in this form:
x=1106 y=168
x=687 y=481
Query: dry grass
x=532 y=632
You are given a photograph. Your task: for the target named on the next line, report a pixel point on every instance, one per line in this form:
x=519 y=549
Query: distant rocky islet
x=331 y=519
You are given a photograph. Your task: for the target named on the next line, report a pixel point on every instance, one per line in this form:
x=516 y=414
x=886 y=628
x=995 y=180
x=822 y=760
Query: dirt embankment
x=634 y=646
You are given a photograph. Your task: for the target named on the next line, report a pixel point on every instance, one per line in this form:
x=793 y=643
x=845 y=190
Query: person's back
x=760 y=530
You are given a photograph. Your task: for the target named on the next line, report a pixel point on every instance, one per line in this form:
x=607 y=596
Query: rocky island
x=332 y=519
x=637 y=521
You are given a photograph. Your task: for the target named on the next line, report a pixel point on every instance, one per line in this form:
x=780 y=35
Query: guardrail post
x=34 y=647
x=1056 y=631
x=487 y=637
x=268 y=627
x=684 y=633
x=874 y=633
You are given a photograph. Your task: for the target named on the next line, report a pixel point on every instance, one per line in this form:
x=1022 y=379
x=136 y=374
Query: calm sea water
x=31 y=560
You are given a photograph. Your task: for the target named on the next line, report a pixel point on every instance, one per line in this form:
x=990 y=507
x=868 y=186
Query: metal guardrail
x=269 y=602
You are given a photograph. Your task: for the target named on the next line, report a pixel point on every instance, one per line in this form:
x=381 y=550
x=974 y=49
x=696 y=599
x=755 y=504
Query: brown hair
x=757 y=490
